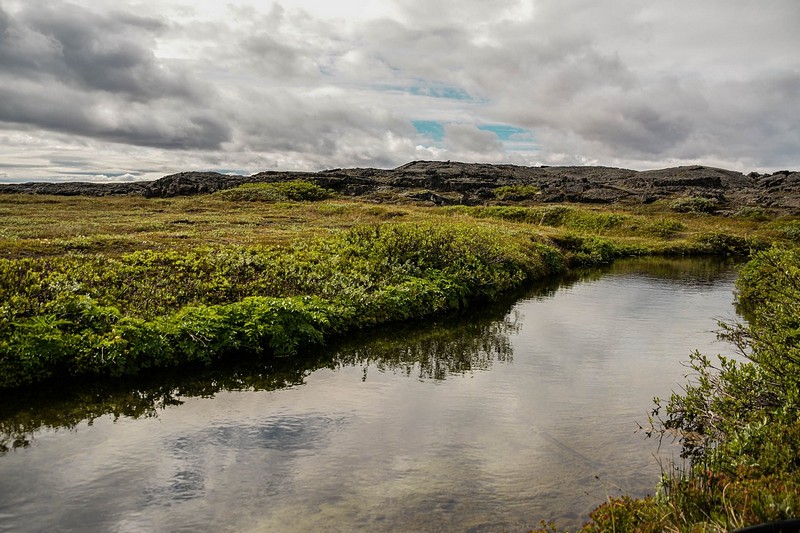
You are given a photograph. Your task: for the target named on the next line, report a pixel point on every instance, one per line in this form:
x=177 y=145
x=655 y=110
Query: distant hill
x=470 y=183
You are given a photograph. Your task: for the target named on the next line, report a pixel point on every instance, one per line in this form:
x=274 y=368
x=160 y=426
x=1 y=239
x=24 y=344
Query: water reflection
x=435 y=351
x=453 y=345
x=23 y=413
x=188 y=454
x=457 y=344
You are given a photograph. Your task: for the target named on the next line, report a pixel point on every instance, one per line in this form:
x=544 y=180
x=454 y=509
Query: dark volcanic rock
x=75 y=188
x=188 y=183
x=438 y=182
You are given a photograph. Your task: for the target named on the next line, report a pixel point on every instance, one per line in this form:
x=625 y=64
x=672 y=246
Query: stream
x=487 y=420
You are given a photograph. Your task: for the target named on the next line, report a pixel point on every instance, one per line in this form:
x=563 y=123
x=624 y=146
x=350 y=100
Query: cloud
x=67 y=69
x=109 y=52
x=104 y=116
x=468 y=138
x=288 y=85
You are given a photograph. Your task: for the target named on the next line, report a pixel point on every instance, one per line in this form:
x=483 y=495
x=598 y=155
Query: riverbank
x=117 y=286
x=502 y=413
x=737 y=422
x=141 y=284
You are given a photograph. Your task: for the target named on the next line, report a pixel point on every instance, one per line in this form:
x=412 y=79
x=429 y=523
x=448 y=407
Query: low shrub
x=738 y=421
x=693 y=204
x=663 y=227
x=80 y=314
x=593 y=222
x=279 y=191
x=511 y=213
x=753 y=213
x=789 y=230
x=622 y=514
x=718 y=243
x=516 y=192
x=591 y=250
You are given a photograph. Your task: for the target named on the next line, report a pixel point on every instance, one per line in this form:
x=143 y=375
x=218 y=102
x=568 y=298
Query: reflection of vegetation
x=452 y=345
x=455 y=344
x=24 y=412
x=676 y=269
x=434 y=352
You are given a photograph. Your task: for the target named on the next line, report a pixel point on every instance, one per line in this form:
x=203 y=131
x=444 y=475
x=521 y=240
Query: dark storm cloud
x=109 y=119
x=68 y=69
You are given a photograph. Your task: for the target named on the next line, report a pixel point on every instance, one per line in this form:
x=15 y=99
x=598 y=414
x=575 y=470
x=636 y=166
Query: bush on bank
x=77 y=315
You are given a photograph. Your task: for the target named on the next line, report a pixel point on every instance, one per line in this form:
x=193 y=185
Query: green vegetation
x=516 y=192
x=789 y=229
x=694 y=204
x=433 y=350
x=281 y=191
x=120 y=286
x=92 y=314
x=754 y=213
x=145 y=284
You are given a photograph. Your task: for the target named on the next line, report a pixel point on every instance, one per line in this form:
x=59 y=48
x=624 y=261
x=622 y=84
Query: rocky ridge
x=472 y=183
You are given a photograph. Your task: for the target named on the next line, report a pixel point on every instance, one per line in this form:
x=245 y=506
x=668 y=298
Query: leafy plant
x=81 y=314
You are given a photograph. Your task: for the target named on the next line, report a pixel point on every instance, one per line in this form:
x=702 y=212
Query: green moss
x=280 y=191
x=517 y=192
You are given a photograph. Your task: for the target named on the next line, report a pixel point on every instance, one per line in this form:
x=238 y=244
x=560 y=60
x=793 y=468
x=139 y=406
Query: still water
x=521 y=411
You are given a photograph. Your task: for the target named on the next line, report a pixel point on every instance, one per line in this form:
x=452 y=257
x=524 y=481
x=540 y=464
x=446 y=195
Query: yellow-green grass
x=48 y=225
x=52 y=225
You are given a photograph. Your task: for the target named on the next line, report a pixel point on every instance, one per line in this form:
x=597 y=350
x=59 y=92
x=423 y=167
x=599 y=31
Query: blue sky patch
x=505 y=132
x=430 y=128
x=450 y=93
x=514 y=139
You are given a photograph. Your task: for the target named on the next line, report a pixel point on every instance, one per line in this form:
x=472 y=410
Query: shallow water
x=517 y=412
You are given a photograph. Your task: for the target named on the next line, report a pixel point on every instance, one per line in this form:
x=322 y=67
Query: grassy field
x=115 y=286
x=36 y=226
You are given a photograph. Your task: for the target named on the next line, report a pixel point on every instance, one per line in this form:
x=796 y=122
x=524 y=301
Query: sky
x=120 y=90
